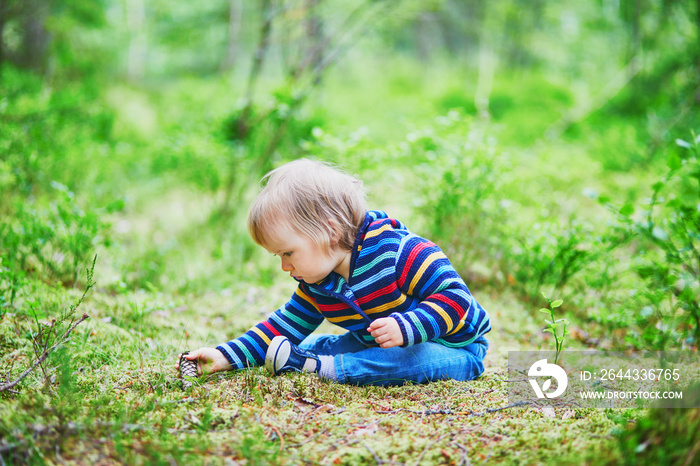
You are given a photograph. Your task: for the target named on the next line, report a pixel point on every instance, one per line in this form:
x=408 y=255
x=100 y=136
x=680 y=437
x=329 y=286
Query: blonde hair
x=312 y=198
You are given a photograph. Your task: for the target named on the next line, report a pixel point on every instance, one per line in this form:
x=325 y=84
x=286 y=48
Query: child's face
x=303 y=258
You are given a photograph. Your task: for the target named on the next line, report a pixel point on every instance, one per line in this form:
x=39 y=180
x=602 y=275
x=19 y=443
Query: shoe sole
x=277 y=354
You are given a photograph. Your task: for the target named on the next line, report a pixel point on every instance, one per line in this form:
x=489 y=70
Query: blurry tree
x=43 y=35
x=630 y=58
x=136 y=23
x=314 y=33
x=200 y=40
x=24 y=39
x=657 y=85
x=310 y=36
x=234 y=28
x=666 y=35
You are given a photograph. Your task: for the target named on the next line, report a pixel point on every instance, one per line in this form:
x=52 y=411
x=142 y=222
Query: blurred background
x=546 y=146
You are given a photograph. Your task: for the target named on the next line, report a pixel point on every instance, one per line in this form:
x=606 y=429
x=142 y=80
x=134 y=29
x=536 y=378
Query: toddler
x=407 y=314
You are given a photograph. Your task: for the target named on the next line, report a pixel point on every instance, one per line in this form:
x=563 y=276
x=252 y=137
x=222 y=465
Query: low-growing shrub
x=461 y=172
x=664 y=235
x=49 y=242
x=665 y=435
x=551 y=254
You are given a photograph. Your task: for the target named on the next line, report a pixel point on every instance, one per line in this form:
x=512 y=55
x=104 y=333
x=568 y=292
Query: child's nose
x=287 y=266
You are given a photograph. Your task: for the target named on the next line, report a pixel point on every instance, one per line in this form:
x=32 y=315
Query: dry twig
x=430 y=412
x=44 y=355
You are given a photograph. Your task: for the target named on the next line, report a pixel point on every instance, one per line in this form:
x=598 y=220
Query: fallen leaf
x=303 y=403
x=364 y=431
x=577 y=333
x=325 y=408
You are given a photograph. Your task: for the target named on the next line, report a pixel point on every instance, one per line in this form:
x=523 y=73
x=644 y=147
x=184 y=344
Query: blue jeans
x=358 y=364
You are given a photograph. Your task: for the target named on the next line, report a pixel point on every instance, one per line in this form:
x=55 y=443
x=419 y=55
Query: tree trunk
x=33 y=52
x=242 y=123
x=136 y=23
x=487 y=64
x=3 y=19
x=422 y=31
x=314 y=33
x=697 y=59
x=636 y=31
x=234 y=27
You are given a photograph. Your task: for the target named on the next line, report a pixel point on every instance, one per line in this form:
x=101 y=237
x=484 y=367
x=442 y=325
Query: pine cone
x=187 y=369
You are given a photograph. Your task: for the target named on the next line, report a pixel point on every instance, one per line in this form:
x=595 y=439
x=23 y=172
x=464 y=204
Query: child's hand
x=210 y=360
x=386 y=332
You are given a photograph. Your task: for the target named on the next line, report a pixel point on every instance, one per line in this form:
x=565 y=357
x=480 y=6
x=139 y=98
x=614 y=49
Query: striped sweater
x=393 y=273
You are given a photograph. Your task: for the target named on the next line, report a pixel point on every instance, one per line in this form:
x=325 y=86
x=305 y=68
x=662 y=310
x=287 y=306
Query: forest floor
x=132 y=409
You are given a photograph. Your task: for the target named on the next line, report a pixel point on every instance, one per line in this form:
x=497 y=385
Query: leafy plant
x=554 y=324
x=663 y=435
x=11 y=281
x=665 y=234
x=49 y=134
x=551 y=254
x=462 y=173
x=49 y=241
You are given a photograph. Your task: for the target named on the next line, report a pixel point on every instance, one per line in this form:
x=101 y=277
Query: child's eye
x=288 y=254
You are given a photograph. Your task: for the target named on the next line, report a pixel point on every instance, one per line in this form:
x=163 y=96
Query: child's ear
x=333 y=232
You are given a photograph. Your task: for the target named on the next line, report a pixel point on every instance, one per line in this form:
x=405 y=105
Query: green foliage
x=50 y=242
x=553 y=325
x=48 y=139
x=194 y=159
x=461 y=173
x=89 y=161
x=525 y=105
x=474 y=203
x=549 y=254
x=617 y=145
x=664 y=436
x=454 y=99
x=48 y=135
x=666 y=237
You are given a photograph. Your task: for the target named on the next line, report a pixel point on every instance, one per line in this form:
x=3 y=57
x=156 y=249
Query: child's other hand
x=210 y=360
x=386 y=332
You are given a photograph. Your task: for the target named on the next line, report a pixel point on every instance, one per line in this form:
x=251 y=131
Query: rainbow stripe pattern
x=393 y=272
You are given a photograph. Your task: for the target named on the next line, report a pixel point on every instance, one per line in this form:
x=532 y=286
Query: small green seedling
x=554 y=324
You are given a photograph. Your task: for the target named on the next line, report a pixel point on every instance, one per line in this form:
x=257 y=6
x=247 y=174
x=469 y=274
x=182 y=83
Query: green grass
x=116 y=397
x=111 y=394
x=176 y=275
